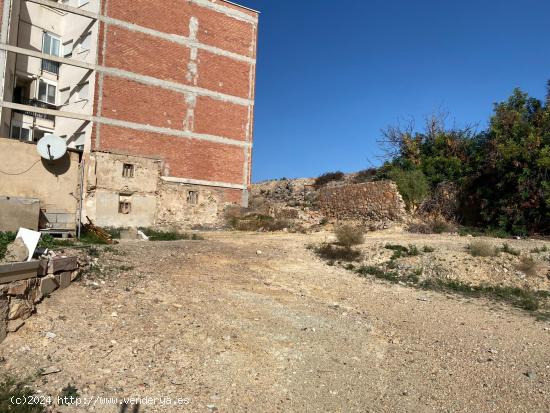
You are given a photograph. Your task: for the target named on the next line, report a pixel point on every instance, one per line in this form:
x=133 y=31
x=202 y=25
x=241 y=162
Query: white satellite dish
x=51 y=147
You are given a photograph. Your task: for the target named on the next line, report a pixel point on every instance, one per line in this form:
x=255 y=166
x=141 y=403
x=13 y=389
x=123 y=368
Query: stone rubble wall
x=369 y=203
x=18 y=299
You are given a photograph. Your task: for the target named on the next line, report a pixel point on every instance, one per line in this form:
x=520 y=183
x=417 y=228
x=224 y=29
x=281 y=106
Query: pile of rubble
x=375 y=205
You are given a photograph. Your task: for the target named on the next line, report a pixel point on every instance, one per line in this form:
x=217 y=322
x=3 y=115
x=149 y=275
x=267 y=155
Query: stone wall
x=24 y=285
x=369 y=203
x=185 y=206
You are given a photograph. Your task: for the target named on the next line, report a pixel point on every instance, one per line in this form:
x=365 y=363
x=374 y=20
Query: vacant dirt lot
x=235 y=330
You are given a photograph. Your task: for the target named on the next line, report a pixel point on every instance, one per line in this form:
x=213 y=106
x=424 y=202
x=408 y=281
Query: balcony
x=36 y=104
x=49 y=66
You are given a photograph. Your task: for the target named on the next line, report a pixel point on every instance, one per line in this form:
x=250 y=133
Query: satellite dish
x=51 y=147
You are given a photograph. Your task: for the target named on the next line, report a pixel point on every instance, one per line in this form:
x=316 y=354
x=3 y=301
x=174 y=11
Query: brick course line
x=151 y=32
x=128 y=125
x=225 y=10
x=147 y=80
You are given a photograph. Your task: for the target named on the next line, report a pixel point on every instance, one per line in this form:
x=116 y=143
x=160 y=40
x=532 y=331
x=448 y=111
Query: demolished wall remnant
x=370 y=202
x=23 y=285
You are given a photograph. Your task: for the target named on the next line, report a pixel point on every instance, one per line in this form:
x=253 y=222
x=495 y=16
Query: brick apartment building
x=157 y=95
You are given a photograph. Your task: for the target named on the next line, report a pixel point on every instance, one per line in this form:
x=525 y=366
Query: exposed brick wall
x=146 y=55
x=188 y=158
x=150 y=105
x=237 y=36
x=170 y=18
x=223 y=74
x=370 y=202
x=215 y=106
x=215 y=117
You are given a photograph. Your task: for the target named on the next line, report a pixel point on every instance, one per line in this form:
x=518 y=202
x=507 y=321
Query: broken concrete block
x=43 y=267
x=17 y=271
x=48 y=285
x=17 y=251
x=18 y=288
x=20 y=309
x=58 y=264
x=63 y=279
x=14 y=325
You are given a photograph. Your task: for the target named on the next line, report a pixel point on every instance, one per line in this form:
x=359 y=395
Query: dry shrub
x=482 y=249
x=431 y=225
x=331 y=252
x=258 y=222
x=349 y=236
x=527 y=265
x=328 y=177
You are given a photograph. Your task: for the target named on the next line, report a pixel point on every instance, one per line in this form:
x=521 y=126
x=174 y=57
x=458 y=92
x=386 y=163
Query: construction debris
x=99 y=232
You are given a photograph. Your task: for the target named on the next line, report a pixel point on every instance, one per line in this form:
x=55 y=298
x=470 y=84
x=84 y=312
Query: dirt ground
x=246 y=322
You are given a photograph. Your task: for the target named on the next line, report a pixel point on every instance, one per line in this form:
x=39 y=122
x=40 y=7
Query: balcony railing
x=49 y=66
x=36 y=104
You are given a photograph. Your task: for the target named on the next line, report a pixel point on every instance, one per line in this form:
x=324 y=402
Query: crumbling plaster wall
x=26 y=175
x=107 y=187
x=370 y=203
x=175 y=210
x=154 y=202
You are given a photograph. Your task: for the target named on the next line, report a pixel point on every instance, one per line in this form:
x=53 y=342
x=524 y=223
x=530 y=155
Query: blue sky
x=331 y=74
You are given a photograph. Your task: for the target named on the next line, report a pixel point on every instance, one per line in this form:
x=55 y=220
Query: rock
x=50 y=335
x=4 y=308
x=48 y=285
x=259 y=252
x=531 y=375
x=50 y=370
x=18 y=288
x=20 y=309
x=63 y=279
x=17 y=251
x=59 y=264
x=14 y=325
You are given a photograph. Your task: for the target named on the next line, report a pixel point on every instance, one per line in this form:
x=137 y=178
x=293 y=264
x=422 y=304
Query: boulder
x=17 y=251
x=20 y=309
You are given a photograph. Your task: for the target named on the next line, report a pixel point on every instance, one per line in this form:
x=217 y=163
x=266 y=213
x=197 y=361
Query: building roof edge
x=240 y=5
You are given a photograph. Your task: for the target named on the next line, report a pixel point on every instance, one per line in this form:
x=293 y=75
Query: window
x=124 y=207
x=82 y=2
x=128 y=170
x=193 y=197
x=68 y=48
x=20 y=132
x=84 y=91
x=85 y=42
x=46 y=92
x=50 y=44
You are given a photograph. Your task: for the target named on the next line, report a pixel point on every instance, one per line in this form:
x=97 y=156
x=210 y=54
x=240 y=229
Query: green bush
x=412 y=184
x=12 y=388
x=156 y=235
x=328 y=177
x=6 y=238
x=336 y=253
x=348 y=235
